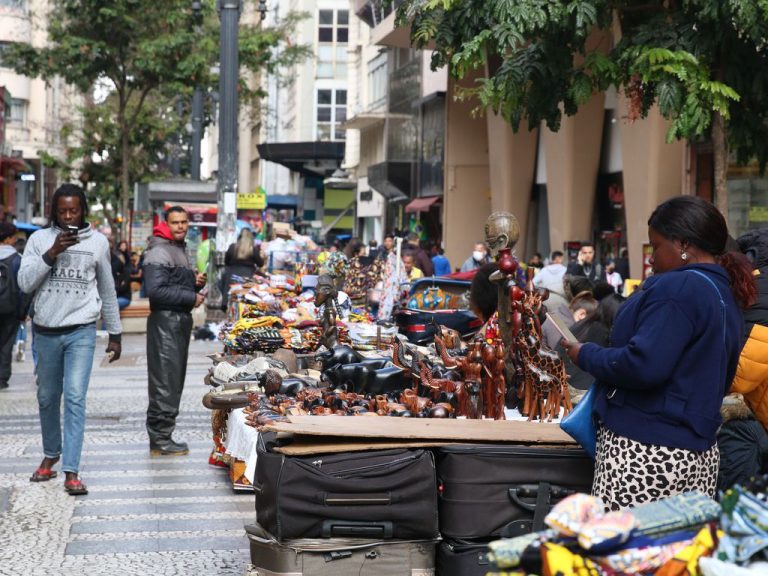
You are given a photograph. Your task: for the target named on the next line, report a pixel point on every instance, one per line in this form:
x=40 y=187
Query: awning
x=16 y=164
x=282 y=201
x=421 y=204
x=307 y=158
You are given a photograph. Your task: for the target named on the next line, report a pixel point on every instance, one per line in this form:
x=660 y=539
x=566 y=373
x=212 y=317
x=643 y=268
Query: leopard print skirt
x=628 y=473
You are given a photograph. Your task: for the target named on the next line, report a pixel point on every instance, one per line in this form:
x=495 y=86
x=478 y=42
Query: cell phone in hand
x=565 y=332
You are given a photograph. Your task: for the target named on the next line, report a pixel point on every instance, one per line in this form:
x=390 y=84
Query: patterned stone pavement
x=143 y=515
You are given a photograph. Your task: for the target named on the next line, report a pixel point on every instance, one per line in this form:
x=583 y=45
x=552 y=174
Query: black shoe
x=170 y=448
x=3 y=385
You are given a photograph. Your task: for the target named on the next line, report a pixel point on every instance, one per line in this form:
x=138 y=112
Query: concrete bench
x=134 y=318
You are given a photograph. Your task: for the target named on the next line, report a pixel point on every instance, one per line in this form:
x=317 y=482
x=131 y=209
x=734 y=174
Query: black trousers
x=168 y=335
x=9 y=326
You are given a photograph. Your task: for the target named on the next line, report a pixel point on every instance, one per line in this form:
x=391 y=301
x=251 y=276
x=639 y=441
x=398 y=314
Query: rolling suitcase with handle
x=338 y=556
x=502 y=491
x=381 y=494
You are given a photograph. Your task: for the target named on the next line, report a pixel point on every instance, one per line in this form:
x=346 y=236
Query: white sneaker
x=20 y=355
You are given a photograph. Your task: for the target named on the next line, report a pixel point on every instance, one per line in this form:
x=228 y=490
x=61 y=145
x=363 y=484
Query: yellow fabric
x=752 y=373
x=686 y=562
x=559 y=561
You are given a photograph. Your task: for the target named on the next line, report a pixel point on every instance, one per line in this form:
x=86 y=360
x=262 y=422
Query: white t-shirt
x=614 y=279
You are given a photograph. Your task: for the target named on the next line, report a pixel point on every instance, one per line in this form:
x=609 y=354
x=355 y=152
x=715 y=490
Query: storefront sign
x=758 y=214
x=254 y=201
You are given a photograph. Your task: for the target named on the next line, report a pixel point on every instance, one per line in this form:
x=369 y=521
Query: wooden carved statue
x=502 y=232
x=545 y=381
x=326 y=296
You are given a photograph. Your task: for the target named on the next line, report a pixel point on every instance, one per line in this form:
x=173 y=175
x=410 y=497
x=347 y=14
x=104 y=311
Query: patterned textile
x=606 y=532
x=745 y=521
x=391 y=287
x=628 y=473
x=570 y=514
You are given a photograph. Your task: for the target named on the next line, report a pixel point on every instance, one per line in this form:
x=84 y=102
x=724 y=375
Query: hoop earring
x=684 y=255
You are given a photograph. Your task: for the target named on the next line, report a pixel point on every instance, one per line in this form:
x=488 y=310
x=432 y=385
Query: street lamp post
x=229 y=13
x=197 y=105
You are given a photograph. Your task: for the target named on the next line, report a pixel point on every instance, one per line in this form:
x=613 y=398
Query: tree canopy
x=134 y=60
x=703 y=62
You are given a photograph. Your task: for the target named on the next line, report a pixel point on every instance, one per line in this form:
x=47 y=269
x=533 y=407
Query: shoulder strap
x=719 y=296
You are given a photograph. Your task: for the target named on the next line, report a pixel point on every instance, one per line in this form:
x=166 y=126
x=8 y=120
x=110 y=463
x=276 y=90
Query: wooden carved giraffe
x=542 y=357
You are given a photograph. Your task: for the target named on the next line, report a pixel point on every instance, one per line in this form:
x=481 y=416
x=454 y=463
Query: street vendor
x=674 y=351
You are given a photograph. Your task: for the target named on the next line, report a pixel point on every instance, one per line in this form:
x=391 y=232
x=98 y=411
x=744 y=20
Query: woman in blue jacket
x=674 y=350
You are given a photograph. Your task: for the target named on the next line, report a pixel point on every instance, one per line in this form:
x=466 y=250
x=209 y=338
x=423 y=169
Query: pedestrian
x=421 y=259
x=673 y=355
x=242 y=259
x=550 y=278
x=121 y=274
x=66 y=268
x=585 y=264
x=173 y=290
x=412 y=271
x=441 y=264
x=612 y=277
x=11 y=300
x=752 y=375
x=622 y=263
x=536 y=262
x=478 y=258
x=137 y=276
x=387 y=246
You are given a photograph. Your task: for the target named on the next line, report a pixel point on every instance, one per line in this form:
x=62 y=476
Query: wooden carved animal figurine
x=326 y=296
x=537 y=354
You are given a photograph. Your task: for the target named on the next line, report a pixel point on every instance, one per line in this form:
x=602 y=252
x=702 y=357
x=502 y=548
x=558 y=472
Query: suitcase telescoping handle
x=371 y=499
x=350 y=528
x=543 y=493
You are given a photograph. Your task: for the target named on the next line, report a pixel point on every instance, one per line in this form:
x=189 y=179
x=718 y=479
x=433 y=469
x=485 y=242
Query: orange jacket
x=752 y=374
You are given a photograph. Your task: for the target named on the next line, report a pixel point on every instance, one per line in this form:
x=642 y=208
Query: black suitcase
x=502 y=491
x=462 y=558
x=380 y=494
x=338 y=556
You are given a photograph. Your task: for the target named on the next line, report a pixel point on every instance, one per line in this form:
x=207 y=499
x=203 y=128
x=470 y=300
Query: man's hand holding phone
x=66 y=238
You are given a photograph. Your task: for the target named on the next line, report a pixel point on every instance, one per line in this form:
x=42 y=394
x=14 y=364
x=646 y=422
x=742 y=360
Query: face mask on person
x=478 y=256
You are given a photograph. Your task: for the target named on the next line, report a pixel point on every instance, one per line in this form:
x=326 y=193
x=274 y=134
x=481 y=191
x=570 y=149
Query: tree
x=704 y=62
x=133 y=59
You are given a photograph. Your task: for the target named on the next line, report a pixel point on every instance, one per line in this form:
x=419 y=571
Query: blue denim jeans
x=64 y=367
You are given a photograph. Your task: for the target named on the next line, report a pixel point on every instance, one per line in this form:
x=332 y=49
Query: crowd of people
x=661 y=361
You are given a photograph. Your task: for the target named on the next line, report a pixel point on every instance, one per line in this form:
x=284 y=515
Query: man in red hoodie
x=173 y=290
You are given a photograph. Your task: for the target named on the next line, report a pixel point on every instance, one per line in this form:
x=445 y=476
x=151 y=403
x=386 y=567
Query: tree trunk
x=720 y=148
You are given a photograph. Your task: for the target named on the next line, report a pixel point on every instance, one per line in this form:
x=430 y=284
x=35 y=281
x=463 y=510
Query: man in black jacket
x=173 y=290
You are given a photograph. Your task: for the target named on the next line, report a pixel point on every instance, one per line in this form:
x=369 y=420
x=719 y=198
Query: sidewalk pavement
x=144 y=515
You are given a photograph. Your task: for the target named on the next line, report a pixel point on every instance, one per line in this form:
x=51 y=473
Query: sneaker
x=20 y=354
x=170 y=448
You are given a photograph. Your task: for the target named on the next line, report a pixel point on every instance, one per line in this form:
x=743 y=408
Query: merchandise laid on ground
x=372 y=454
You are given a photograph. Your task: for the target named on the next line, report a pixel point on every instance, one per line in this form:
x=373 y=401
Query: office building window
x=18 y=114
x=378 y=78
x=331 y=113
x=332 y=36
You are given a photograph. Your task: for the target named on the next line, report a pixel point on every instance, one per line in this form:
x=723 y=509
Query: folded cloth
x=678 y=512
x=745 y=522
x=606 y=532
x=571 y=513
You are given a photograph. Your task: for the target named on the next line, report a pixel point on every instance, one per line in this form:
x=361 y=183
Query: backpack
x=9 y=286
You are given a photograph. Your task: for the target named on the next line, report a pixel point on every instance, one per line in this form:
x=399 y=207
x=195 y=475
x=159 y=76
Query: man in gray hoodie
x=66 y=267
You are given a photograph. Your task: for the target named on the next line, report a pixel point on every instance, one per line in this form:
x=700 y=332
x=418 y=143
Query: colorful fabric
x=629 y=473
x=558 y=560
x=686 y=560
x=606 y=532
x=679 y=512
x=570 y=514
x=505 y=554
x=745 y=522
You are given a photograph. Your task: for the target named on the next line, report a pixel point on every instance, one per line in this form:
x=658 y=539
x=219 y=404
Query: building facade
x=595 y=180
x=36 y=113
